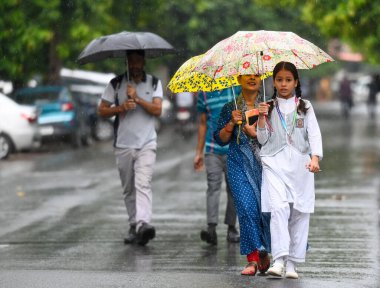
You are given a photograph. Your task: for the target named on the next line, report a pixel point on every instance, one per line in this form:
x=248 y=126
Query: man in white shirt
x=135 y=102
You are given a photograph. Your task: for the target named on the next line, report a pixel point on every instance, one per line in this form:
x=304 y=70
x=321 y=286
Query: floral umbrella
x=257 y=52
x=188 y=80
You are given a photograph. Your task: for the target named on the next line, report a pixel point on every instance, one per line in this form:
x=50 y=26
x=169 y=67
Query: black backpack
x=116 y=82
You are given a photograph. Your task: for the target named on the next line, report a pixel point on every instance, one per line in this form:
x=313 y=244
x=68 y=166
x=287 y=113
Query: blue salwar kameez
x=244 y=173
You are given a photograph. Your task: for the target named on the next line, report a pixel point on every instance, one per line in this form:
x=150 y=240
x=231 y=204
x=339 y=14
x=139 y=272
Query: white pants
x=135 y=170
x=289 y=230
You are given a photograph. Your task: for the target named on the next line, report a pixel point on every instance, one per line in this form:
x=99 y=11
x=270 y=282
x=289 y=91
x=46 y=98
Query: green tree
x=194 y=26
x=38 y=36
x=41 y=36
x=352 y=21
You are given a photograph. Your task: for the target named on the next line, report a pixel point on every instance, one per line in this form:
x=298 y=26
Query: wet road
x=62 y=218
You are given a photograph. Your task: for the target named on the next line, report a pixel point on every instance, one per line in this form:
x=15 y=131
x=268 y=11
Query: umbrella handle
x=233 y=92
x=262 y=66
x=126 y=65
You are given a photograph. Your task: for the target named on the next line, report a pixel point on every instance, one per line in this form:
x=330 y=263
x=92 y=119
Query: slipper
x=250 y=269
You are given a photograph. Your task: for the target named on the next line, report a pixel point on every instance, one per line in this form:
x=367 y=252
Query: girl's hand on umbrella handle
x=263 y=109
x=237 y=117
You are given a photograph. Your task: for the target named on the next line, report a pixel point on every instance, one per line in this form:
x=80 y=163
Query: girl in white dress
x=291 y=150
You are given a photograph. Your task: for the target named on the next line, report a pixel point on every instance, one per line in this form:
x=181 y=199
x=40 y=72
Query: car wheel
x=6 y=146
x=103 y=130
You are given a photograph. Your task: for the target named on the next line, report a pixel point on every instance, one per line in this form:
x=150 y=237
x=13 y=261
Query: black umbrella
x=117 y=45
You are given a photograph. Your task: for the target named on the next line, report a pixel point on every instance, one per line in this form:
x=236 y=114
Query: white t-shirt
x=136 y=127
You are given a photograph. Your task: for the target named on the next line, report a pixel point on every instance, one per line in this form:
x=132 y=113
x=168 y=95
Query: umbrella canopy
x=257 y=52
x=117 y=45
x=188 y=80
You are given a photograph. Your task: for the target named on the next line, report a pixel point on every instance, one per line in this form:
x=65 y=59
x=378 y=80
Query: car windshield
x=31 y=97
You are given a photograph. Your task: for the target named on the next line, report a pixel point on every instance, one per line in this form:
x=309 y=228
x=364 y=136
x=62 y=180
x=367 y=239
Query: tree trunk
x=55 y=64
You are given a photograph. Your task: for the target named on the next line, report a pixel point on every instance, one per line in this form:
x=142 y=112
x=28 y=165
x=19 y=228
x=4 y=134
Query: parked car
x=18 y=127
x=89 y=97
x=60 y=116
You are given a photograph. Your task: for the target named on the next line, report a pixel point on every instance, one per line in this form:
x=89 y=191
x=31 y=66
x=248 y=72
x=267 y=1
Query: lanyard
x=283 y=122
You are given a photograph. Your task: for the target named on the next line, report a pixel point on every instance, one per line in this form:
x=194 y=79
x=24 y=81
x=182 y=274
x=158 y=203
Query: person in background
x=208 y=153
x=346 y=97
x=135 y=102
x=244 y=174
x=374 y=88
x=291 y=150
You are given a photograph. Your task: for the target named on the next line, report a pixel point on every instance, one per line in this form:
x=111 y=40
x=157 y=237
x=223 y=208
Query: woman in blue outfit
x=244 y=174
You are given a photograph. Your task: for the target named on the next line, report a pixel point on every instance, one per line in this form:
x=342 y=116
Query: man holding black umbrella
x=135 y=103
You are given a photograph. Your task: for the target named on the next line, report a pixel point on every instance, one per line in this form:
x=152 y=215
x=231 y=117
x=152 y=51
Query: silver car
x=18 y=127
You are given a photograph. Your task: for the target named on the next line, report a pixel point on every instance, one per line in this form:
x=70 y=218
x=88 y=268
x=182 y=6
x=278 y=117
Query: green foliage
x=40 y=36
x=353 y=21
x=195 y=26
x=37 y=36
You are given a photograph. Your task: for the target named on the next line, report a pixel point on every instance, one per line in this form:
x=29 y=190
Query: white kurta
x=285 y=177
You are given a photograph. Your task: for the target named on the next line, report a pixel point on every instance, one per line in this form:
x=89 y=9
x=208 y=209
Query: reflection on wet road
x=62 y=212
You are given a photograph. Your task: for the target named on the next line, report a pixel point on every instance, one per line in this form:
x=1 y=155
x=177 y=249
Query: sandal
x=250 y=269
x=264 y=262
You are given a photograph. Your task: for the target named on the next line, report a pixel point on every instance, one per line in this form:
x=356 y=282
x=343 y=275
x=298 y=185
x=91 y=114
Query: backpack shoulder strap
x=117 y=80
x=154 y=82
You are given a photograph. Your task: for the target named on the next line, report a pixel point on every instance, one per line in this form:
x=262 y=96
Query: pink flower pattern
x=246 y=65
x=266 y=57
x=240 y=54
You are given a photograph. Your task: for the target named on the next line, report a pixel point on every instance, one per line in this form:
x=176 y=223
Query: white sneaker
x=291 y=275
x=276 y=270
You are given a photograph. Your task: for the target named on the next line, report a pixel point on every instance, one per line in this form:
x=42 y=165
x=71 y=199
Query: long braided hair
x=288 y=66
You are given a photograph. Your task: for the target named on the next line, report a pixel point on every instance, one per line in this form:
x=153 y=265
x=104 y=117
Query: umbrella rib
x=301 y=60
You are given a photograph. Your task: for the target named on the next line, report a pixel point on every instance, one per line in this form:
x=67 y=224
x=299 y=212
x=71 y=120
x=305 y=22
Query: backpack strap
x=154 y=82
x=116 y=82
x=119 y=78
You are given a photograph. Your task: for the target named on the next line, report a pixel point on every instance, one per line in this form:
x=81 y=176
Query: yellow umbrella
x=188 y=80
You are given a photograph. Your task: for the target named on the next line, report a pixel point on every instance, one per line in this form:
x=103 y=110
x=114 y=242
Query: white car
x=18 y=127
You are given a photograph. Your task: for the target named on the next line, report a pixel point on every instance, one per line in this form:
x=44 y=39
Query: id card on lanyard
x=283 y=122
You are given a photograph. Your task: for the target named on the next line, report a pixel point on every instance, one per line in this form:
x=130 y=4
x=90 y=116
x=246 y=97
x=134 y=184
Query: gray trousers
x=216 y=168
x=135 y=170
